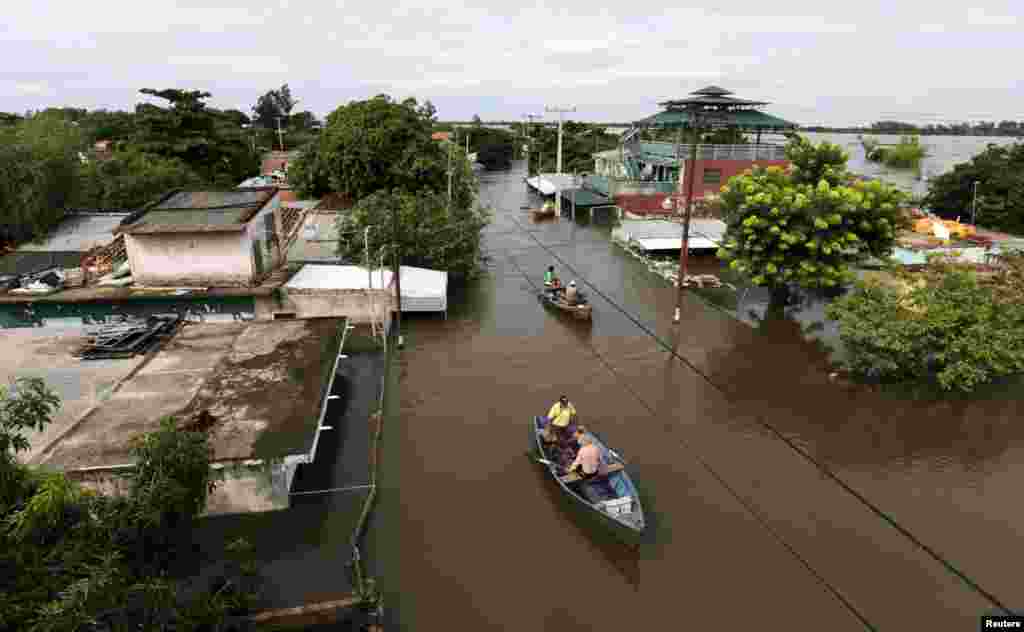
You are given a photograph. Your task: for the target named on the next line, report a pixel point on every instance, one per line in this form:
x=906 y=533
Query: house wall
x=191 y=259
x=266 y=237
x=353 y=304
x=729 y=168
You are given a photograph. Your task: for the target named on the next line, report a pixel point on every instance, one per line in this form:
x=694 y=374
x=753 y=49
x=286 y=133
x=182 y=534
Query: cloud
x=817 y=61
x=980 y=17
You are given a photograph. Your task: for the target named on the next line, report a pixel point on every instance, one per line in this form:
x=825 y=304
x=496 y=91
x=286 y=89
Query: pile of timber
x=128 y=337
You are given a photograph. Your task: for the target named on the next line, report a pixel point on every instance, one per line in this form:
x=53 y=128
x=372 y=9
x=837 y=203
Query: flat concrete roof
x=262 y=382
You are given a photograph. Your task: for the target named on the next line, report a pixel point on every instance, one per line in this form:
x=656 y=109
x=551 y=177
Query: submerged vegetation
x=906 y=154
x=949 y=325
x=74 y=560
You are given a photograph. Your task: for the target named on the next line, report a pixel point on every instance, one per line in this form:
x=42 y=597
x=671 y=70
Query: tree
x=74 y=560
x=945 y=327
x=273 y=105
x=476 y=121
x=131 y=179
x=494 y=147
x=786 y=228
x=999 y=172
x=373 y=145
x=204 y=139
x=39 y=165
x=429 y=233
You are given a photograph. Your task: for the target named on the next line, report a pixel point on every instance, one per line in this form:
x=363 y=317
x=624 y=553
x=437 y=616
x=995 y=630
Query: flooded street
x=775 y=497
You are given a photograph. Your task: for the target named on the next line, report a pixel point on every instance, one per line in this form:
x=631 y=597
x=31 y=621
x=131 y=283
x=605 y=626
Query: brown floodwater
x=776 y=497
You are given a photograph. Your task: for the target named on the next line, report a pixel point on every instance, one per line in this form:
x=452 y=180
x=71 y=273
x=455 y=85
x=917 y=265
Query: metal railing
x=724 y=152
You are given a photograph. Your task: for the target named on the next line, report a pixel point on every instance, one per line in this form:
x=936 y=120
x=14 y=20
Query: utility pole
x=369 y=275
x=280 y=134
x=531 y=117
x=558 y=190
x=398 y=275
x=684 y=251
x=974 y=206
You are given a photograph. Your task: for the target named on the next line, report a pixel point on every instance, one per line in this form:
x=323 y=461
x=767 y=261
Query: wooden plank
x=572 y=478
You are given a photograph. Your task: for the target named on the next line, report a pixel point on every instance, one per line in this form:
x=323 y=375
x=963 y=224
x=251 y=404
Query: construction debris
x=129 y=337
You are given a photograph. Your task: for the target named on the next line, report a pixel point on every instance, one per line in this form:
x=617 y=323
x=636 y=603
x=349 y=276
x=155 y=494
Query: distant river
x=944 y=152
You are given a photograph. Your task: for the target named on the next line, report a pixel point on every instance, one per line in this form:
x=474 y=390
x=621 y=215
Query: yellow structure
x=956 y=229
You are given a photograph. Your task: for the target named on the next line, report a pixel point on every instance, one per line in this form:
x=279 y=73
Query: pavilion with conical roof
x=640 y=174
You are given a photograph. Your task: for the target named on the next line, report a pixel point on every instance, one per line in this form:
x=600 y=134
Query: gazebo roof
x=715 y=108
x=743 y=119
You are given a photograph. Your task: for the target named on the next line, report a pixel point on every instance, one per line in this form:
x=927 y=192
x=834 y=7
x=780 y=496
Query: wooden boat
x=610 y=501
x=579 y=311
x=548 y=210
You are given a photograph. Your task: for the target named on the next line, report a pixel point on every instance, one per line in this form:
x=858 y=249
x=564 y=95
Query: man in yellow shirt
x=562 y=413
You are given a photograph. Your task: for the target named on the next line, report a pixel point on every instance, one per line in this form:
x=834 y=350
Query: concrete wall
x=268 y=241
x=354 y=304
x=191 y=259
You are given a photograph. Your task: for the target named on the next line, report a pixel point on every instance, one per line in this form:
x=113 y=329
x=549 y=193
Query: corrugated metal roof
x=666 y=235
x=79 y=233
x=203 y=211
x=331 y=277
x=583 y=197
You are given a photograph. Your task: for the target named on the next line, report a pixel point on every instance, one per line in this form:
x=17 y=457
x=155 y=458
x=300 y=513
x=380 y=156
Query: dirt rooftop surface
x=255 y=387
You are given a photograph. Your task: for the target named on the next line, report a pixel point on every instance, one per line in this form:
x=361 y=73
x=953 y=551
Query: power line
x=786 y=440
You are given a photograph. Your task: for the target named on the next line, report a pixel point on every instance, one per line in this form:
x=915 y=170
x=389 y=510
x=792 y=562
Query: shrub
x=947 y=327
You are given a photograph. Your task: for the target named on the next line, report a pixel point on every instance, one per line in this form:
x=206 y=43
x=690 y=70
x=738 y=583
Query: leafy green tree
x=783 y=229
x=204 y=139
x=580 y=141
x=999 y=172
x=429 y=233
x=948 y=328
x=73 y=560
x=108 y=125
x=39 y=166
x=373 y=145
x=494 y=147
x=131 y=179
x=272 y=105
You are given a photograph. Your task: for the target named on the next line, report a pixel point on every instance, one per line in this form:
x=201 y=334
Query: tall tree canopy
x=367 y=146
x=205 y=139
x=999 y=172
x=379 y=152
x=274 y=104
x=808 y=226
x=39 y=166
x=580 y=141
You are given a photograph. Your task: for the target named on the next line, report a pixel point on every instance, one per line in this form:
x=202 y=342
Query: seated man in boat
x=571 y=295
x=549 y=276
x=588 y=462
x=561 y=414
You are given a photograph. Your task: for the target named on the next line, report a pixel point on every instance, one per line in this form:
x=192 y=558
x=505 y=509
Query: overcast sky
x=817 y=62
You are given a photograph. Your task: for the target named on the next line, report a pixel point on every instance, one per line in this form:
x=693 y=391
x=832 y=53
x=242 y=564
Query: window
x=712 y=176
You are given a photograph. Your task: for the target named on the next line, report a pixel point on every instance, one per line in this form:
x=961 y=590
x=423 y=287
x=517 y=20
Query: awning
x=584 y=197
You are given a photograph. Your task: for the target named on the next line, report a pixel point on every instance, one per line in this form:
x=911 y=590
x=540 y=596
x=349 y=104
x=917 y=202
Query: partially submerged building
x=641 y=174
x=205 y=239
x=258 y=389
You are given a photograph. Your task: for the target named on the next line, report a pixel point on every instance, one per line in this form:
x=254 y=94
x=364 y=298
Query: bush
x=999 y=173
x=809 y=226
x=945 y=327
